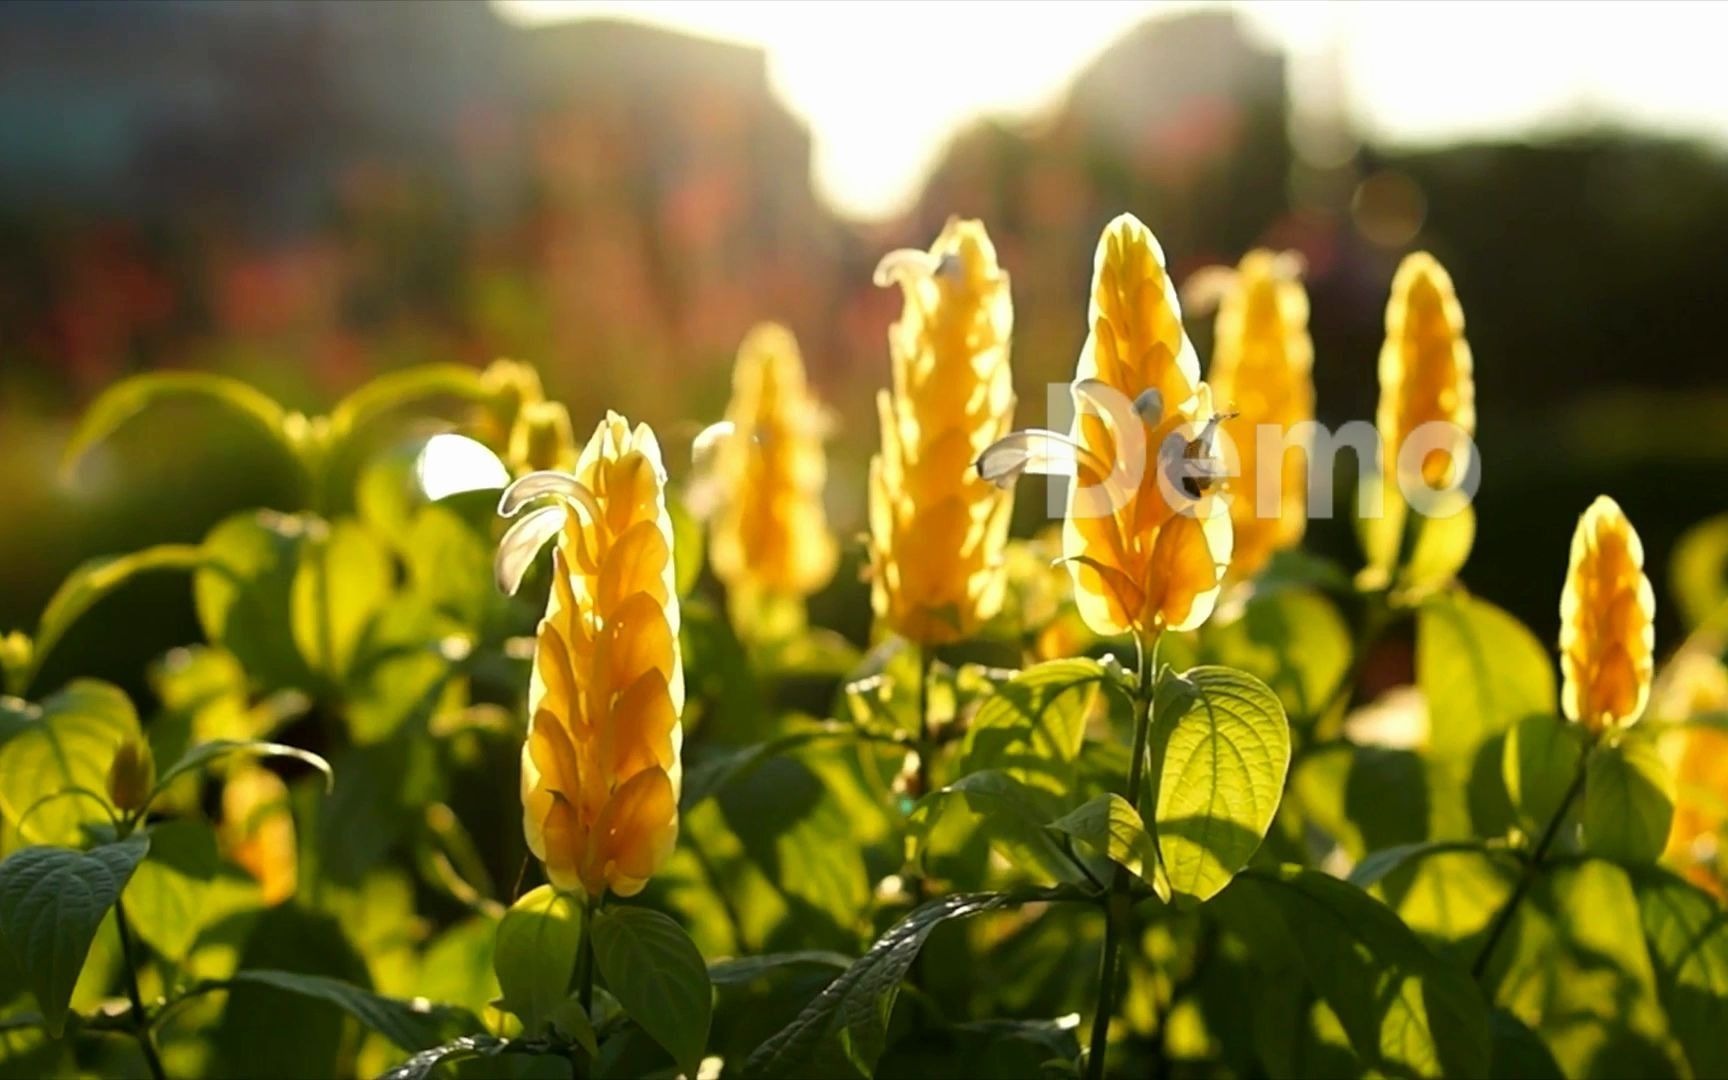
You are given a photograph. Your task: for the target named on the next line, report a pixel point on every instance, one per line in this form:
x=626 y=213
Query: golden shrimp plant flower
x=600 y=767
x=1262 y=371
x=1426 y=372
x=770 y=534
x=1607 y=622
x=1145 y=538
x=937 y=530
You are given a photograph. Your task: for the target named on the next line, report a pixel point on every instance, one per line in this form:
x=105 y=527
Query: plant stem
x=926 y=749
x=1118 y=904
x=140 y=1021
x=1532 y=870
x=585 y=958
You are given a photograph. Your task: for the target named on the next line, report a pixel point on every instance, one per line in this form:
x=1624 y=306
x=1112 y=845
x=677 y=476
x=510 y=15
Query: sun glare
x=884 y=86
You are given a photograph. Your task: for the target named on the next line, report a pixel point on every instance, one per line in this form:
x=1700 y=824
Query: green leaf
x=243 y=591
x=1032 y=727
x=1687 y=937
x=653 y=969
x=52 y=901
x=62 y=747
x=1481 y=672
x=745 y=969
x=1012 y=816
x=1220 y=752
x=1292 y=639
x=1441 y=550
x=535 y=954
x=165 y=899
x=1628 y=802
x=131 y=396
x=89 y=583
x=396 y=389
x=1403 y=1010
x=204 y=753
x=1539 y=764
x=1698 y=571
x=343 y=577
x=687 y=546
x=1373 y=869
x=843 y=1031
x=1111 y=827
x=410 y=1025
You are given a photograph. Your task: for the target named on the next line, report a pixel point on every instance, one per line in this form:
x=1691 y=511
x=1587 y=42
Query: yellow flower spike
x=541 y=439
x=1694 y=683
x=1426 y=372
x=1607 y=628
x=600 y=767
x=1262 y=371
x=938 y=530
x=1153 y=562
x=510 y=385
x=770 y=534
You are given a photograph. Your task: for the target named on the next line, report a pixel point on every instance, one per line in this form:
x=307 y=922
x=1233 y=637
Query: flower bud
x=132 y=775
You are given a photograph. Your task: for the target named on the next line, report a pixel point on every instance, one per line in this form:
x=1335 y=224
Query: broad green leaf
x=450 y=565
x=1628 y=802
x=243 y=594
x=89 y=583
x=843 y=1031
x=1031 y=728
x=1519 y=1052
x=993 y=1049
x=1292 y=639
x=54 y=763
x=535 y=954
x=165 y=899
x=1412 y=553
x=52 y=901
x=653 y=969
x=1687 y=937
x=204 y=753
x=1371 y=870
x=1111 y=827
x=1575 y=968
x=1404 y=1011
x=1012 y=816
x=744 y=969
x=412 y=1025
x=1480 y=672
x=402 y=673
x=723 y=766
x=1698 y=570
x=1441 y=549
x=457 y=965
x=1539 y=764
x=1220 y=751
x=1364 y=798
x=131 y=396
x=344 y=576
x=396 y=389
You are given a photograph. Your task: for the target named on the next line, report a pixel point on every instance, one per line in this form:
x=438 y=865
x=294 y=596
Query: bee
x=1196 y=480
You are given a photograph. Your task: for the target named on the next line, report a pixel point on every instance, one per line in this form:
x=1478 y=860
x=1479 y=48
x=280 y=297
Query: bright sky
x=883 y=86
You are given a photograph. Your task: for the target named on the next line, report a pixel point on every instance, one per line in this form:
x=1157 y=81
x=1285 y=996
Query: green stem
x=1532 y=870
x=1119 y=903
x=140 y=1020
x=585 y=959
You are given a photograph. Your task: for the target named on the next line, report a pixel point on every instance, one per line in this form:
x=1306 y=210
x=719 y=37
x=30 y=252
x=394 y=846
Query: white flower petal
x=707 y=442
x=536 y=485
x=1149 y=406
x=904 y=264
x=523 y=541
x=1033 y=451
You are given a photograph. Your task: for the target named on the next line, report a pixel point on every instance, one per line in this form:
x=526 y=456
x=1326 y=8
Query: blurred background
x=304 y=195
